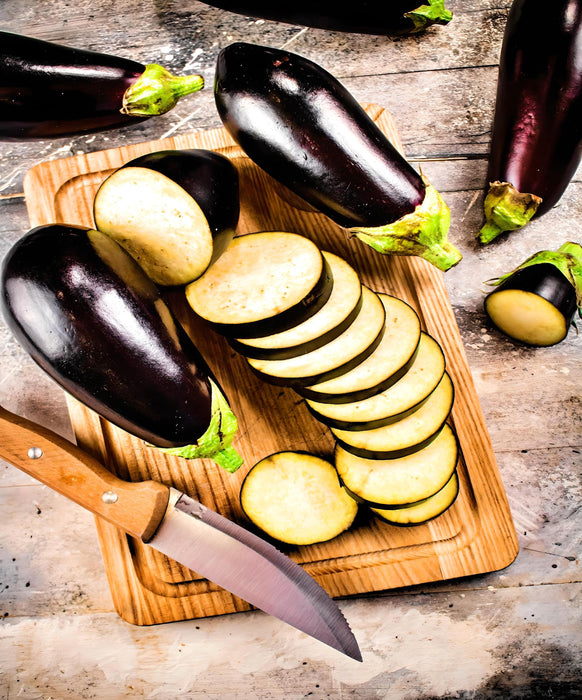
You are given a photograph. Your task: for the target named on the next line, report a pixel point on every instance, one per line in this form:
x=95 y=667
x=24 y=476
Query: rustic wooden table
x=514 y=633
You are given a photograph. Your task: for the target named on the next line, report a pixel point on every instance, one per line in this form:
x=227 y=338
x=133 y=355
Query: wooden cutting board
x=475 y=536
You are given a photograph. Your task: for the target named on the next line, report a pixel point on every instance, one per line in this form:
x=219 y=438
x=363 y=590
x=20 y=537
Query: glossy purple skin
x=210 y=179
x=536 y=143
x=301 y=125
x=370 y=16
x=90 y=317
x=48 y=90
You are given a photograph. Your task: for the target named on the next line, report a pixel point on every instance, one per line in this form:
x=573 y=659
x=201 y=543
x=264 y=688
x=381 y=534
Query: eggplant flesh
x=536 y=142
x=89 y=316
x=302 y=126
x=48 y=90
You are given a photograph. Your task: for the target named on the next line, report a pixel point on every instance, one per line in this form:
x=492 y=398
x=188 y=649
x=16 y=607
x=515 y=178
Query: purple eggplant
x=302 y=126
x=536 y=303
x=48 y=90
x=371 y=17
x=91 y=318
x=174 y=211
x=536 y=143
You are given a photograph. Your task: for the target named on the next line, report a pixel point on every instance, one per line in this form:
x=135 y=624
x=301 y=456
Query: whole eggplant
x=370 y=17
x=90 y=317
x=536 y=143
x=302 y=126
x=48 y=90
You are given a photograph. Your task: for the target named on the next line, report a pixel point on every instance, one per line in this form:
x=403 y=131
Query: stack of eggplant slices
x=302 y=318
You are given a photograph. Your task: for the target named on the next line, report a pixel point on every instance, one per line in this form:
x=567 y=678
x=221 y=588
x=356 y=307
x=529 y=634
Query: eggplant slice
x=264 y=283
x=340 y=355
x=297 y=498
x=384 y=367
x=332 y=319
x=400 y=482
x=398 y=401
x=407 y=435
x=429 y=509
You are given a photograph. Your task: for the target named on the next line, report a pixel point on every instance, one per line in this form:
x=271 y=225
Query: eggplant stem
x=434 y=12
x=506 y=209
x=157 y=91
x=216 y=442
x=423 y=233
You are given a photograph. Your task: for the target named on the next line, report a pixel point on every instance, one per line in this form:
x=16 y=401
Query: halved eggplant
x=402 y=481
x=86 y=312
x=388 y=363
x=429 y=509
x=333 y=318
x=407 y=435
x=297 y=498
x=175 y=212
x=299 y=123
x=354 y=345
x=536 y=303
x=392 y=404
x=264 y=283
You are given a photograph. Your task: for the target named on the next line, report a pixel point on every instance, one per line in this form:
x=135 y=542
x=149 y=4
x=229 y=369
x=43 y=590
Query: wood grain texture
x=475 y=536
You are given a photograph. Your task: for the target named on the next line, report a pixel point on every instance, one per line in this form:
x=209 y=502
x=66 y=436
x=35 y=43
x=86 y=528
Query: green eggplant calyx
x=216 y=442
x=423 y=232
x=567 y=259
x=506 y=209
x=423 y=16
x=157 y=91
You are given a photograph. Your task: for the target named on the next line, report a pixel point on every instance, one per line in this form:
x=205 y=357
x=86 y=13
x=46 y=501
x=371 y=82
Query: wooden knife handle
x=137 y=508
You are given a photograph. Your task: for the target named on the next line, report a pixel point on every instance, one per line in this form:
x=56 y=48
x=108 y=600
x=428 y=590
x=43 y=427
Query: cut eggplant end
x=157 y=91
x=157 y=222
x=420 y=513
x=263 y=283
x=506 y=209
x=403 y=481
x=389 y=362
x=407 y=435
x=432 y=12
x=334 y=317
x=216 y=442
x=297 y=498
x=338 y=356
x=526 y=317
x=422 y=233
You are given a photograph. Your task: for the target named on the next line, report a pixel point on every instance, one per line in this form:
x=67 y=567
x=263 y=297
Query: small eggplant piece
x=174 y=211
x=90 y=317
x=536 y=303
x=48 y=90
x=392 y=18
x=536 y=144
x=299 y=124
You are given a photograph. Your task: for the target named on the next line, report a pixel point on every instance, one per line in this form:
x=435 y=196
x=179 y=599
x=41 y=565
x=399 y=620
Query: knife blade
x=183 y=529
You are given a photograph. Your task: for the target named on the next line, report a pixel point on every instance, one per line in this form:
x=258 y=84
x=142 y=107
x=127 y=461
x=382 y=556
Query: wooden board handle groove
x=137 y=508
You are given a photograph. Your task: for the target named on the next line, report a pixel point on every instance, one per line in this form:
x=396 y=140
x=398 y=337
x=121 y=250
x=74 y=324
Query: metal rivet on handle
x=34 y=452
x=109 y=497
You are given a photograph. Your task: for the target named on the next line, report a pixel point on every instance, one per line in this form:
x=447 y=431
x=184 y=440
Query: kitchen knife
x=181 y=528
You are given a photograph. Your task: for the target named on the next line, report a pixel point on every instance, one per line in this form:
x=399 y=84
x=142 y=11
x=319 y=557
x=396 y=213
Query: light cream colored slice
x=526 y=317
x=297 y=498
x=157 y=222
x=421 y=379
x=352 y=342
x=394 y=351
x=344 y=298
x=409 y=431
x=427 y=510
x=396 y=482
x=257 y=277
